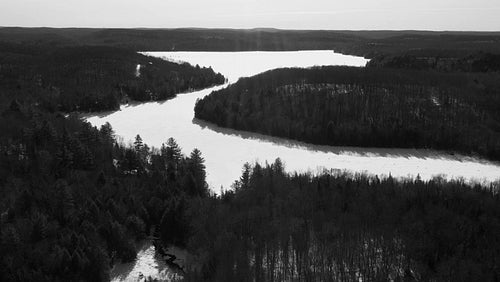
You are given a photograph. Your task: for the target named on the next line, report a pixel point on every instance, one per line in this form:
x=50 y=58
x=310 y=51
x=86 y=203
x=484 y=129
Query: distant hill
x=365 y=43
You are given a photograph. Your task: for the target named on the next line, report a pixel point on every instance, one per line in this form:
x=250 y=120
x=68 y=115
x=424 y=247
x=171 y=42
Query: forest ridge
x=362 y=43
x=367 y=107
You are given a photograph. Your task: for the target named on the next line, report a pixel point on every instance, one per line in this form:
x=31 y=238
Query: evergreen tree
x=107 y=132
x=173 y=152
x=197 y=170
x=138 y=144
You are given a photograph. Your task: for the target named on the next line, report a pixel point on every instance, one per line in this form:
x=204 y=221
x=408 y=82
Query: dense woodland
x=367 y=107
x=337 y=227
x=75 y=201
x=439 y=61
x=84 y=78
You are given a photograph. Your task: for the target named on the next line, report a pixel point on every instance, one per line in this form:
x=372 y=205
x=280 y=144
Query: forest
x=439 y=61
x=368 y=107
x=92 y=78
x=76 y=201
x=276 y=226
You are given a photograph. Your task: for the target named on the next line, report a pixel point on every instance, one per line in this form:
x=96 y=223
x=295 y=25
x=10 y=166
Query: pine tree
x=278 y=166
x=173 y=151
x=142 y=151
x=107 y=132
x=138 y=144
x=172 y=154
x=197 y=169
x=245 y=176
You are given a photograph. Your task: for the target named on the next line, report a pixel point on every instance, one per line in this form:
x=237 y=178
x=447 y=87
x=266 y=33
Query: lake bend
x=225 y=150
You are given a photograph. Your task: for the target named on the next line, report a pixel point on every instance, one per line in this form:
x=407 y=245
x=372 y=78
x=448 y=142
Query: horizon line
x=248 y=29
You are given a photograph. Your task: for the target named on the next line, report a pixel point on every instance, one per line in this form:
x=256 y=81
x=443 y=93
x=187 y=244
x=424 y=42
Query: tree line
x=276 y=226
x=361 y=43
x=439 y=61
x=370 y=107
x=94 y=78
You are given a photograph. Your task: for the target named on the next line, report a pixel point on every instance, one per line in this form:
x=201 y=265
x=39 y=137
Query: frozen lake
x=225 y=151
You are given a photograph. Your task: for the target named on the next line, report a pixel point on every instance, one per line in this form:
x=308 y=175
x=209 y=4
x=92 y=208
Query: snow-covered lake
x=225 y=151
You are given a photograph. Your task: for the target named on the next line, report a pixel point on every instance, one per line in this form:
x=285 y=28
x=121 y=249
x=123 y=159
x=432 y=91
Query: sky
x=468 y=15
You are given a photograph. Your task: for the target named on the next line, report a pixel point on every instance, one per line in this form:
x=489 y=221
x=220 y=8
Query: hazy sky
x=291 y=14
